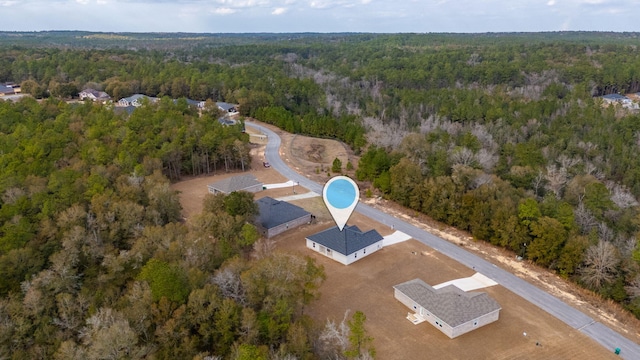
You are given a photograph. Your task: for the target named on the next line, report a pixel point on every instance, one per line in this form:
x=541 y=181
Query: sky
x=325 y=16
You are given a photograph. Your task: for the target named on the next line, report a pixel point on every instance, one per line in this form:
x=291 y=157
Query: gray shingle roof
x=347 y=241
x=614 y=97
x=236 y=183
x=275 y=213
x=450 y=304
x=226 y=106
x=6 y=89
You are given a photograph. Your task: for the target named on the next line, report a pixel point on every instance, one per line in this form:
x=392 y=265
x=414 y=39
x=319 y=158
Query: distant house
x=9 y=89
x=196 y=103
x=619 y=99
x=226 y=107
x=449 y=309
x=279 y=216
x=346 y=246
x=94 y=95
x=135 y=100
x=246 y=182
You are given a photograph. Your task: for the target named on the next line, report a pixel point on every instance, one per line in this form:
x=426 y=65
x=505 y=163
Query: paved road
x=572 y=317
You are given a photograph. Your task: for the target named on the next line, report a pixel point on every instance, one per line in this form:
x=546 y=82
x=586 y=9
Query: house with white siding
x=135 y=100
x=449 y=309
x=230 y=109
x=346 y=246
x=94 y=95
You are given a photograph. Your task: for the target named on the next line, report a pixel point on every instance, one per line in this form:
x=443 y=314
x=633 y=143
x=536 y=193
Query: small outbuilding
x=449 y=309
x=346 y=246
x=277 y=216
x=245 y=182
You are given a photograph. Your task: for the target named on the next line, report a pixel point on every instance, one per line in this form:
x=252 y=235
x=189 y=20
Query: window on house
x=475 y=323
x=364 y=251
x=314 y=245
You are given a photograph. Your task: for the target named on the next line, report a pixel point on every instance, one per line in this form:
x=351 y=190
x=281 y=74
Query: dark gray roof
x=226 y=106
x=6 y=89
x=347 y=241
x=236 y=183
x=450 y=304
x=275 y=213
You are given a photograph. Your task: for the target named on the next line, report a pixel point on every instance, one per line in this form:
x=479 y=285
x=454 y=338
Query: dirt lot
x=367 y=284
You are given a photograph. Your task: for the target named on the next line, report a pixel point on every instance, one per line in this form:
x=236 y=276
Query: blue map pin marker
x=341 y=195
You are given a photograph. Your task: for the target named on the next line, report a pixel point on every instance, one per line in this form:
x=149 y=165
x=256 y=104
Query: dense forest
x=502 y=135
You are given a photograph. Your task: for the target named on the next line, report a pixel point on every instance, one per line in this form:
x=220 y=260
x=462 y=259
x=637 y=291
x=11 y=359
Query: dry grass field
x=367 y=284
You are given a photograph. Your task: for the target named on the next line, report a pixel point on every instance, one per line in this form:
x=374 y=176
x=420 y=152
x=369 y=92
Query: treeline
x=95 y=259
x=251 y=76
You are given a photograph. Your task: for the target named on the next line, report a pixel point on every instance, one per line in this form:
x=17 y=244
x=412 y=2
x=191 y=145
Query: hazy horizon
x=322 y=16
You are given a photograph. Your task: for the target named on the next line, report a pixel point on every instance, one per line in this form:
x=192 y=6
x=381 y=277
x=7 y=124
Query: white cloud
x=223 y=11
x=7 y=3
x=551 y=2
x=279 y=11
x=243 y=3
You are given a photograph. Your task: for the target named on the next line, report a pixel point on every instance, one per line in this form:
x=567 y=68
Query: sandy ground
x=367 y=284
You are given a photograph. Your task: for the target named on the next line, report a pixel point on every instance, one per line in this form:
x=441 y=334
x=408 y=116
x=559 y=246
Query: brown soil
x=367 y=284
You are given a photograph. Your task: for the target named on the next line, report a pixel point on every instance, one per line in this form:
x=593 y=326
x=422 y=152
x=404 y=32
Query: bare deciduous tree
x=108 y=336
x=462 y=156
x=556 y=179
x=486 y=159
x=600 y=264
x=230 y=285
x=568 y=162
x=585 y=220
x=334 y=339
x=621 y=196
x=263 y=248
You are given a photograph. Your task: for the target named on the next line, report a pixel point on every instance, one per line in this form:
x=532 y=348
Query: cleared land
x=367 y=284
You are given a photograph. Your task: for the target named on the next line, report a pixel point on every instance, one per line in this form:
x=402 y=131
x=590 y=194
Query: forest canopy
x=503 y=135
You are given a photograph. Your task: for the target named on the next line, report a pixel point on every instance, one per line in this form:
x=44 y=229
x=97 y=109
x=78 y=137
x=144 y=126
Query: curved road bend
x=572 y=317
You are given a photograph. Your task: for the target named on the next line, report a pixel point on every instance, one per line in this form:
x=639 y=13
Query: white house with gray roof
x=449 y=309
x=277 y=216
x=135 y=100
x=226 y=107
x=94 y=95
x=346 y=246
x=246 y=182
